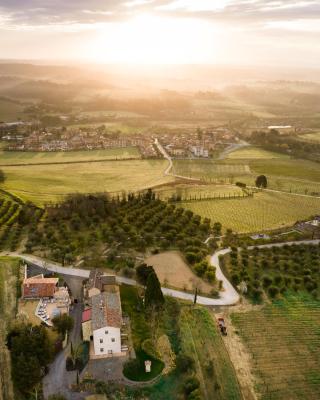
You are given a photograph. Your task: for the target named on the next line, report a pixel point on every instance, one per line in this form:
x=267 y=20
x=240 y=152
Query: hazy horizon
x=204 y=32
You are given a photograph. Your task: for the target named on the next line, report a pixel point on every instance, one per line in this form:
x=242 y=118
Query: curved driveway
x=228 y=296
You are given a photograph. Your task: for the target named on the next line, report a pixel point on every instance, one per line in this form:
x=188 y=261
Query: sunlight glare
x=154 y=40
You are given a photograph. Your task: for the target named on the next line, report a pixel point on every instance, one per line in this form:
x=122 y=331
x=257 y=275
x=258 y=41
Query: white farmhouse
x=106 y=322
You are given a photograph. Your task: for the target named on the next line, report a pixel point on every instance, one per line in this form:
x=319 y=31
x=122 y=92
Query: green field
x=248 y=153
x=202 y=341
x=46 y=183
x=297 y=176
x=283 y=341
x=8 y=297
x=26 y=157
x=263 y=211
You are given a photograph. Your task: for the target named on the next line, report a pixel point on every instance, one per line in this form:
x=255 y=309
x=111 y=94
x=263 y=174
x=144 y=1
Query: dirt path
x=238 y=354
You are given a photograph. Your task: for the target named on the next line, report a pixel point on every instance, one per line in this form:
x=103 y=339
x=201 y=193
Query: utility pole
x=195 y=296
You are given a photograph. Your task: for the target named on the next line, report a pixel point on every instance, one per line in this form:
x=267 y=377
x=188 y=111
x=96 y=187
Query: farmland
x=312 y=137
x=46 y=183
x=9 y=269
x=173 y=271
x=283 y=340
x=209 y=170
x=192 y=191
x=15 y=219
x=272 y=272
x=201 y=339
x=263 y=211
x=248 y=153
x=30 y=157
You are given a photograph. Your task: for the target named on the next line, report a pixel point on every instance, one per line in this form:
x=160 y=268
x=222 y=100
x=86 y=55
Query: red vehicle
x=222 y=326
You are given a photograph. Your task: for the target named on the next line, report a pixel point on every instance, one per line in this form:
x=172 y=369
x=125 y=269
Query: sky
x=237 y=32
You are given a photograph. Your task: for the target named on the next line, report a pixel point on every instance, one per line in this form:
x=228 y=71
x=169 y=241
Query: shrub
x=273 y=291
x=191 y=384
x=184 y=363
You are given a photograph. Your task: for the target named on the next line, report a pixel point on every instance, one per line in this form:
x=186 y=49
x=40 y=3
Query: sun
x=148 y=39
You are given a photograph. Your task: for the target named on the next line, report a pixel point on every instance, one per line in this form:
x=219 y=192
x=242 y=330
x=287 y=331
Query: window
x=101 y=340
x=101 y=350
x=109 y=351
x=113 y=339
x=106 y=332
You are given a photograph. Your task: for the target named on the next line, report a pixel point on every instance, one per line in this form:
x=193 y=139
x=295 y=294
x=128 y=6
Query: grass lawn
x=173 y=271
x=263 y=211
x=46 y=183
x=27 y=308
x=283 y=340
x=140 y=331
x=9 y=269
x=202 y=341
x=31 y=157
x=255 y=153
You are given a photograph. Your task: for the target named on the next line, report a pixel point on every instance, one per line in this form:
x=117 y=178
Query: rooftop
x=106 y=309
x=86 y=315
x=97 y=279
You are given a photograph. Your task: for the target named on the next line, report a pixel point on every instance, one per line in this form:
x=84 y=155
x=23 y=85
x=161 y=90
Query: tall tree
x=142 y=272
x=2 y=176
x=63 y=323
x=261 y=181
x=153 y=296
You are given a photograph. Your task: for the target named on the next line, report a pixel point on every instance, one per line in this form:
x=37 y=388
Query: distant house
x=282 y=129
x=102 y=323
x=38 y=287
x=199 y=151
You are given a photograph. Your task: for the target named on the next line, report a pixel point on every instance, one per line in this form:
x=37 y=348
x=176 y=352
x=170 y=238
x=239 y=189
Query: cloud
x=38 y=12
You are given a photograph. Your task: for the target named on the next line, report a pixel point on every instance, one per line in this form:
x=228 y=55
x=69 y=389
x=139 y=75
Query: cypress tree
x=153 y=296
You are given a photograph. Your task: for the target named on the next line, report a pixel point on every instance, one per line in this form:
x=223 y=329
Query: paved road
x=233 y=147
x=268 y=246
x=168 y=172
x=228 y=296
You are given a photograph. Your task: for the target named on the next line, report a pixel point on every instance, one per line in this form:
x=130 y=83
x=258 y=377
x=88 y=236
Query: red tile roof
x=38 y=287
x=86 y=315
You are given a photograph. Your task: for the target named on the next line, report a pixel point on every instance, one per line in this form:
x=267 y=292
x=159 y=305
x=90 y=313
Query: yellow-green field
x=287 y=174
x=263 y=211
x=314 y=137
x=255 y=153
x=209 y=169
x=45 y=183
x=8 y=299
x=283 y=341
x=30 y=157
x=197 y=191
x=202 y=341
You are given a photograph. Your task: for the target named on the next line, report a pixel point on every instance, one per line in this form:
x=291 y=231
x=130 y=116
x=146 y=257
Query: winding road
x=227 y=297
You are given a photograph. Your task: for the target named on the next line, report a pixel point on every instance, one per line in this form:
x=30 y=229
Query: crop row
x=284 y=344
